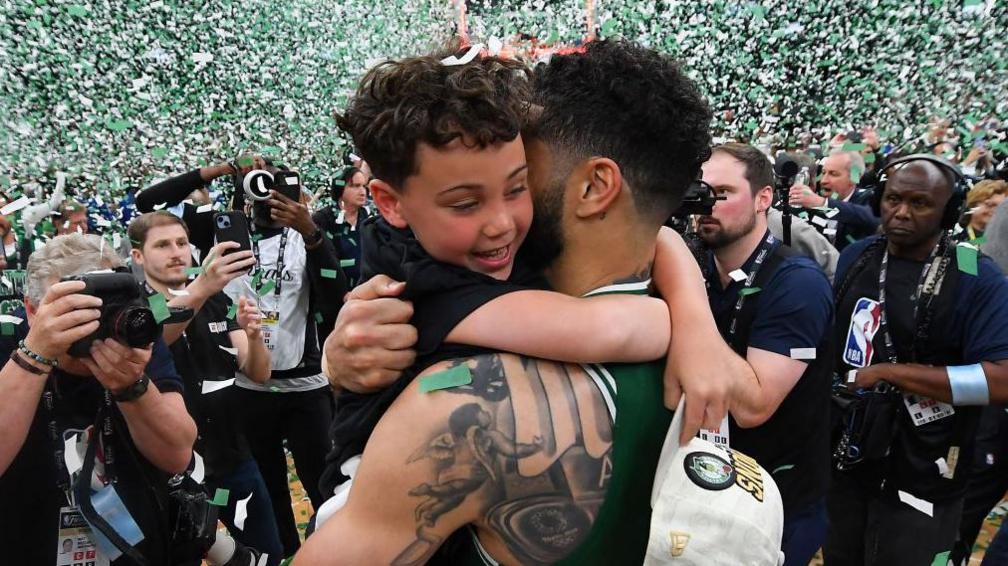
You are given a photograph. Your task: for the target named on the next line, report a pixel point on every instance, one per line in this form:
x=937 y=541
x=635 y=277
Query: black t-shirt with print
x=200 y=357
x=30 y=498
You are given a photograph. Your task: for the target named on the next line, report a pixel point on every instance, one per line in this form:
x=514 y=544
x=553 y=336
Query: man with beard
x=774 y=308
x=553 y=488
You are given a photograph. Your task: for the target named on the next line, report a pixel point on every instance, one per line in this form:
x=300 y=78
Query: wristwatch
x=314 y=239
x=133 y=391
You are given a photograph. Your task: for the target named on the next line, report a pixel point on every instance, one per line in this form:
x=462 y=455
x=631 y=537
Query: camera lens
x=257 y=184
x=223 y=222
x=135 y=326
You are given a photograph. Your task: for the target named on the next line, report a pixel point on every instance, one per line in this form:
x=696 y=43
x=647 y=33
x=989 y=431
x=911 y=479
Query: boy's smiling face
x=467 y=206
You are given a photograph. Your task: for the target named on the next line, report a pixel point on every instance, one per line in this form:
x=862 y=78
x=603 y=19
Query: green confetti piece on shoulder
x=256 y=237
x=274 y=389
x=220 y=498
x=803 y=215
x=453 y=377
x=266 y=288
x=329 y=274
x=347 y=262
x=159 y=306
x=232 y=311
x=746 y=291
x=966 y=258
x=352 y=242
x=942 y=558
x=318 y=317
x=851 y=239
x=979 y=241
x=193 y=271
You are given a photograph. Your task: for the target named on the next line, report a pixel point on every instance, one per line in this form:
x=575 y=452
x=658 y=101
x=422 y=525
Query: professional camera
x=125 y=314
x=258 y=183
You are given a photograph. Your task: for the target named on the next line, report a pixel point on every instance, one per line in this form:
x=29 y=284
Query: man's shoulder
x=798 y=278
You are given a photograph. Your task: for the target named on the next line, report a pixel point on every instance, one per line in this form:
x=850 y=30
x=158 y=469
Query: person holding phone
x=296 y=281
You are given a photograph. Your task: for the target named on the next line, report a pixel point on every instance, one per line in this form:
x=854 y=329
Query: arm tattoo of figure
x=538 y=484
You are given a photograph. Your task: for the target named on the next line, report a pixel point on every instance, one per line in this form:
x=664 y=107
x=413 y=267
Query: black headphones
x=953 y=208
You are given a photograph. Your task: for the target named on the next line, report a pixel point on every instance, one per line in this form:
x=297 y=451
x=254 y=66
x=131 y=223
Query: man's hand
x=63 y=317
x=804 y=196
x=866 y=377
x=248 y=162
x=250 y=318
x=115 y=365
x=371 y=343
x=220 y=267
x=293 y=214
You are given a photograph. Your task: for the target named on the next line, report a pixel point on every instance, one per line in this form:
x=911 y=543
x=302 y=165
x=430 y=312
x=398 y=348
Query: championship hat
x=712 y=506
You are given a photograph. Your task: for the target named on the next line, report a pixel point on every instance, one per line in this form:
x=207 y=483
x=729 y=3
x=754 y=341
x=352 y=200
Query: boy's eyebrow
x=471 y=186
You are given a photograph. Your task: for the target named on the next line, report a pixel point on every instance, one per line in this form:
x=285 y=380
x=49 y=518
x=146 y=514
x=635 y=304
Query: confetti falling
x=119 y=95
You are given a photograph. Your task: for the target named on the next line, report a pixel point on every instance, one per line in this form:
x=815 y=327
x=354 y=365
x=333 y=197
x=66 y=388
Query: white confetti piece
x=202 y=58
x=11 y=319
x=15 y=206
x=469 y=55
x=199 y=470
x=738 y=275
x=241 y=512
x=71 y=458
x=179 y=292
x=917 y=503
x=211 y=386
x=819 y=221
x=204 y=208
x=232 y=351
x=832 y=212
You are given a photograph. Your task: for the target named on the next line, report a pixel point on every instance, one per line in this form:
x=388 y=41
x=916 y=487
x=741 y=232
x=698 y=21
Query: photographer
x=217 y=342
x=298 y=282
x=48 y=397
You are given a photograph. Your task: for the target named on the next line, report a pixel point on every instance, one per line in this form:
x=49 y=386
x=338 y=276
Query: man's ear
x=137 y=256
x=387 y=200
x=764 y=198
x=601 y=187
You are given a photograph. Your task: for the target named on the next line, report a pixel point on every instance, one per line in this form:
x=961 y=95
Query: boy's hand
x=372 y=341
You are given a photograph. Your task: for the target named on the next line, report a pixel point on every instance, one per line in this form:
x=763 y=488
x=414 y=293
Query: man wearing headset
x=922 y=344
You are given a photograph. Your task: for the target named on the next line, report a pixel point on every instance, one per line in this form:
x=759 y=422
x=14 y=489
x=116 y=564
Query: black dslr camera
x=125 y=313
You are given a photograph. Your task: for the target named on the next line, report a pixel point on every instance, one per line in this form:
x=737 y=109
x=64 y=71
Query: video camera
x=258 y=183
x=699 y=200
x=125 y=314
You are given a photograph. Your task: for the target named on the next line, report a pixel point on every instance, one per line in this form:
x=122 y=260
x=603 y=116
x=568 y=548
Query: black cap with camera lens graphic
x=258 y=183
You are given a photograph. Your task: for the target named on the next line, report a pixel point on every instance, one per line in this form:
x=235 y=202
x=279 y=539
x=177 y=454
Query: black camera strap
x=103 y=429
x=278 y=283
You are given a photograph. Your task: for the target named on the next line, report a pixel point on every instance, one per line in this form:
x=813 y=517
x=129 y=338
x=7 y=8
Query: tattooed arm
x=439 y=461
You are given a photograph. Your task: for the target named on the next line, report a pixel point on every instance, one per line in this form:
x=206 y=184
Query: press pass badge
x=719 y=435
x=268 y=324
x=924 y=410
x=74 y=543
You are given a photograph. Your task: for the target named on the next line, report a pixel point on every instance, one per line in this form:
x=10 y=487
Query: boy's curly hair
x=399 y=104
x=633 y=105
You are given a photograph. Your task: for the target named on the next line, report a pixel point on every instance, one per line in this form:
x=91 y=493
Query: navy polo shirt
x=794 y=309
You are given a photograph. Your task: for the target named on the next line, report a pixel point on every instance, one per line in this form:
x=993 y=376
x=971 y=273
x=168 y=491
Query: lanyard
x=279 y=264
x=764 y=251
x=63 y=481
x=919 y=293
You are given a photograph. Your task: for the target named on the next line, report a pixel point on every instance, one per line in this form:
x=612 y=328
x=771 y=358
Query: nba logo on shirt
x=864 y=324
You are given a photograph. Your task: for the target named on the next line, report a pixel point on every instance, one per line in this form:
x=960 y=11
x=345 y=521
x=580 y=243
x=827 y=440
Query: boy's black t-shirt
x=29 y=489
x=442 y=295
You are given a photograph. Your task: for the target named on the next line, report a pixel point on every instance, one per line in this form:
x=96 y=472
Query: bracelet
x=27 y=366
x=968 y=384
x=37 y=357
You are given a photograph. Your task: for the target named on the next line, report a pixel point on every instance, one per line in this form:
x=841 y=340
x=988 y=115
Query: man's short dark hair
x=758 y=169
x=141 y=225
x=340 y=184
x=399 y=104
x=633 y=105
